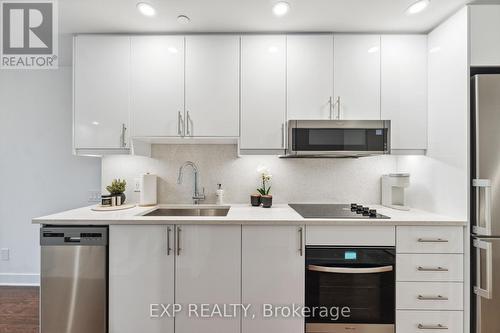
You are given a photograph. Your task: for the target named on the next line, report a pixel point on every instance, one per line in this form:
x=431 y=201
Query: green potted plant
x=265 y=198
x=117 y=189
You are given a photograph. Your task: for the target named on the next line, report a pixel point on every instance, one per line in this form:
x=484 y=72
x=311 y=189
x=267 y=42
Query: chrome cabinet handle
x=346 y=270
x=179 y=241
x=432 y=327
x=180 y=125
x=301 y=240
x=283 y=135
x=432 y=240
x=486 y=185
x=338 y=107
x=486 y=292
x=122 y=136
x=188 y=123
x=168 y=241
x=330 y=103
x=432 y=269
x=432 y=298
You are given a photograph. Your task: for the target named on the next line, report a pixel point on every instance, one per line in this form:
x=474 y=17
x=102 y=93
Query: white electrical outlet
x=137 y=185
x=5 y=254
x=94 y=196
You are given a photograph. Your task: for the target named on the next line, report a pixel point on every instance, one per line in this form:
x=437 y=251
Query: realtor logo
x=28 y=34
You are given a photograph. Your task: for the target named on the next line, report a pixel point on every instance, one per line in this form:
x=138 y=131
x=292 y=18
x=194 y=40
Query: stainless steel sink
x=201 y=211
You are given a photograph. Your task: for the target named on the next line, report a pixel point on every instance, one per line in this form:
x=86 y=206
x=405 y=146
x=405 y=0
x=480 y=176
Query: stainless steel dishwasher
x=73 y=293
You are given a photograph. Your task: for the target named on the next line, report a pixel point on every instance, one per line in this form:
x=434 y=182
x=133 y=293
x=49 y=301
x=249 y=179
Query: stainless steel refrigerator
x=485 y=201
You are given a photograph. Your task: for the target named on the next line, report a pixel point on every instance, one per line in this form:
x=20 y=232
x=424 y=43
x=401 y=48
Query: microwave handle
x=348 y=270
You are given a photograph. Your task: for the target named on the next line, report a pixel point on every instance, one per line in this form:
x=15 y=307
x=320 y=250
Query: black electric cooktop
x=337 y=211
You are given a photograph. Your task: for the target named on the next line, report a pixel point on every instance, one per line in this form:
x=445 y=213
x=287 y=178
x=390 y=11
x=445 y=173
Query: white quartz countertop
x=279 y=214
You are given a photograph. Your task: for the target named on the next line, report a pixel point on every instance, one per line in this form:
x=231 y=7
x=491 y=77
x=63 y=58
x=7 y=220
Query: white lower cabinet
x=417 y=239
x=429 y=321
x=272 y=273
x=351 y=235
x=429 y=296
x=207 y=271
x=429 y=267
x=429 y=275
x=141 y=273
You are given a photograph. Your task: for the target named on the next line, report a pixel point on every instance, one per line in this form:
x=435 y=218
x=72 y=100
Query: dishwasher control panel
x=73 y=236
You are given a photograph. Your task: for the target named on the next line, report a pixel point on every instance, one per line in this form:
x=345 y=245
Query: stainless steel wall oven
x=355 y=287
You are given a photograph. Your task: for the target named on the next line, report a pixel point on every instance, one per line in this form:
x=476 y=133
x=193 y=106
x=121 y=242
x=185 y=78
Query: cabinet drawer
x=351 y=236
x=429 y=240
x=429 y=321
x=429 y=267
x=429 y=296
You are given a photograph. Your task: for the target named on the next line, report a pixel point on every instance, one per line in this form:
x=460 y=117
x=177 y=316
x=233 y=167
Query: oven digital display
x=350 y=255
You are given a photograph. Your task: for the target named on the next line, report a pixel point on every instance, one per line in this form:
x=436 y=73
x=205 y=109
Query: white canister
x=219 y=194
x=148 y=195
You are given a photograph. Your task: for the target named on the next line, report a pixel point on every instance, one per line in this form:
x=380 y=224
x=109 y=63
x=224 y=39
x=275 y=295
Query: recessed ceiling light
x=373 y=49
x=281 y=8
x=172 y=49
x=183 y=19
x=418 y=6
x=146 y=9
x=95 y=123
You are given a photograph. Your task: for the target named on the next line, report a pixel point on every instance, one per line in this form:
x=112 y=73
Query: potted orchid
x=265 y=177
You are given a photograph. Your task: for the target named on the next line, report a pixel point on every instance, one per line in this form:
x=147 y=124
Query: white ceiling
x=120 y=16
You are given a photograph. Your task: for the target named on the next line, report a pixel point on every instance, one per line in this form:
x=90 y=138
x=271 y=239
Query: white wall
x=439 y=180
x=39 y=174
x=294 y=180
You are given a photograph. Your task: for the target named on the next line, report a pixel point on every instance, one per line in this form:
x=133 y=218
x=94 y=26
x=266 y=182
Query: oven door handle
x=347 y=270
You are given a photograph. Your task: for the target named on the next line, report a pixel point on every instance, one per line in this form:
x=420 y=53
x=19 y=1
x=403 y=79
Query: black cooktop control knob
x=359 y=209
x=373 y=213
x=366 y=211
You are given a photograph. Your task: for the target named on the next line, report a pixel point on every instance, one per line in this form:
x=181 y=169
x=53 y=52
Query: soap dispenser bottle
x=219 y=194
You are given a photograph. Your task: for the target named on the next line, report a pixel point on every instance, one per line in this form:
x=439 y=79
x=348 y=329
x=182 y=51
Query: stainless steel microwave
x=338 y=138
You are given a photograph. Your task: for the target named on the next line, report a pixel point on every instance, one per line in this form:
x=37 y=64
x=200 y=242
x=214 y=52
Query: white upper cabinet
x=101 y=92
x=263 y=91
x=484 y=35
x=157 y=85
x=404 y=90
x=141 y=272
x=208 y=271
x=357 y=77
x=212 y=85
x=309 y=76
x=272 y=273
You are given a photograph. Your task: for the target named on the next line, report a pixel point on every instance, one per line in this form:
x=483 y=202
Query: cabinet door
x=101 y=91
x=208 y=271
x=357 y=76
x=272 y=273
x=157 y=85
x=309 y=76
x=484 y=36
x=404 y=89
x=141 y=273
x=212 y=86
x=263 y=91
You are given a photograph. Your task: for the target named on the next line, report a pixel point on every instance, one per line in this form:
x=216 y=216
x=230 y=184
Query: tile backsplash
x=294 y=180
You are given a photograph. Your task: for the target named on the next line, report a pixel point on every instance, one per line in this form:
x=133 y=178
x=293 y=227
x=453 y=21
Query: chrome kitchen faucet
x=197 y=197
